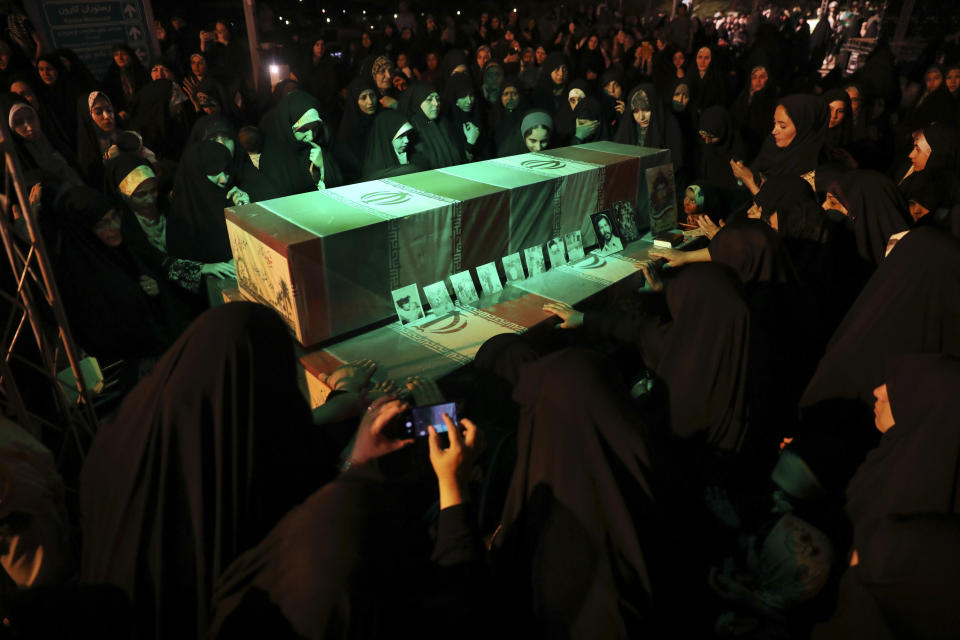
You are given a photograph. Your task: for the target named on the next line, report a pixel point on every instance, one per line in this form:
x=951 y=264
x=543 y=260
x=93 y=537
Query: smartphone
x=413 y=423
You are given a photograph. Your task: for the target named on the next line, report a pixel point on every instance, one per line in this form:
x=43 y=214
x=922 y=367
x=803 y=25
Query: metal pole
x=49 y=283
x=253 y=39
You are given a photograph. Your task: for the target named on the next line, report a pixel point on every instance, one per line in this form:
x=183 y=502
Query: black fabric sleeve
x=457 y=541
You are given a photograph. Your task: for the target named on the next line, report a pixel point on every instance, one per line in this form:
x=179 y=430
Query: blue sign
x=91 y=28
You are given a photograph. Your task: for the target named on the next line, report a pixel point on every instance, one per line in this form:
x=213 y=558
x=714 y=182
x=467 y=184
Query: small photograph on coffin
x=464 y=288
x=663 y=205
x=534 y=259
x=574 y=243
x=626 y=218
x=555 y=251
x=512 y=267
x=407 y=301
x=438 y=298
x=608 y=232
x=489 y=279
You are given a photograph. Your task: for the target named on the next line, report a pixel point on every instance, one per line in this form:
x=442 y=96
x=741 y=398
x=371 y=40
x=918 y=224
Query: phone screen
x=421 y=417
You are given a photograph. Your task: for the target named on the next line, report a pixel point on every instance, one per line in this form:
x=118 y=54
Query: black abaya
x=916 y=467
x=663 y=132
x=720 y=348
x=571 y=557
x=380 y=160
x=434 y=148
x=911 y=304
x=876 y=210
x=110 y=314
x=286 y=161
x=203 y=457
x=244 y=174
x=197 y=230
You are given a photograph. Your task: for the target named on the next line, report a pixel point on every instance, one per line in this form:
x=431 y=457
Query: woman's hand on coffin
x=238 y=196
x=673 y=257
x=222 y=270
x=650 y=273
x=424 y=391
x=353 y=376
x=372 y=441
x=454 y=464
x=149 y=286
x=572 y=319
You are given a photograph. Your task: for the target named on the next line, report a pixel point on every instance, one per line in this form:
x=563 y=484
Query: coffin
x=327 y=261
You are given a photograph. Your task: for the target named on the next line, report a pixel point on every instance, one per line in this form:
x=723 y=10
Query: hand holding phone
x=454 y=464
x=373 y=439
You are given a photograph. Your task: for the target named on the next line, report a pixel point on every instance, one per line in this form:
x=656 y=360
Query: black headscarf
x=203 y=457
x=663 y=132
x=904 y=585
x=110 y=314
x=753 y=114
x=938 y=106
x=754 y=251
x=92 y=141
x=811 y=118
x=842 y=134
x=163 y=132
x=916 y=467
x=564 y=119
x=610 y=114
x=911 y=304
x=243 y=173
x=715 y=158
x=435 y=149
x=721 y=346
x=945 y=148
x=709 y=90
x=319 y=573
x=459 y=85
x=197 y=230
x=551 y=96
x=821 y=249
x=61 y=97
x=589 y=108
x=285 y=161
x=380 y=159
x=41 y=153
x=875 y=209
x=501 y=123
x=355 y=127
x=123 y=84
x=579 y=515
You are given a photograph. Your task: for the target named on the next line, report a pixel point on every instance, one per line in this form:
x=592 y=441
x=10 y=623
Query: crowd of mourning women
x=762 y=441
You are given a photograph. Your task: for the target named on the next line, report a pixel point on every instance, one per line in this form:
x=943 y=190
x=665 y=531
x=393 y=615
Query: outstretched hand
x=454 y=464
x=572 y=319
